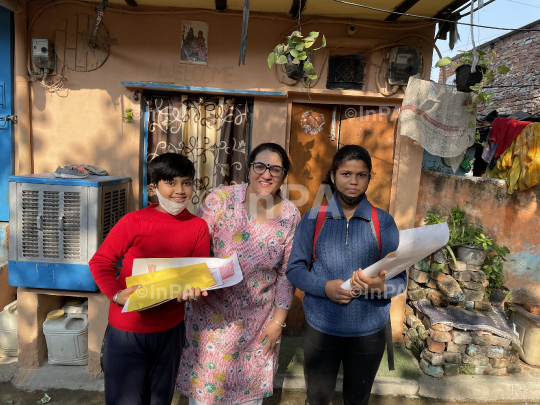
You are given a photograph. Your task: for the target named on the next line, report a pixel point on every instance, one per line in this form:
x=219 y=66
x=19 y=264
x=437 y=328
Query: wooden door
x=312 y=147
x=316 y=132
x=373 y=128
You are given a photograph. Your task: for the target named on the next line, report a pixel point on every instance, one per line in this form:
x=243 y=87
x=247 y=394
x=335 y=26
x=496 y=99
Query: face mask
x=349 y=200
x=169 y=206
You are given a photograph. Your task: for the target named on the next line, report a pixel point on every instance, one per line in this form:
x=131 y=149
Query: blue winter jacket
x=343 y=246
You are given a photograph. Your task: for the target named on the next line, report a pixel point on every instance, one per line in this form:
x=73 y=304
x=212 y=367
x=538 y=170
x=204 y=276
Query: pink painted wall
x=511 y=220
x=87 y=127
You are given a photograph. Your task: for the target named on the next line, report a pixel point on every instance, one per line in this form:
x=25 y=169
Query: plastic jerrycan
x=76 y=306
x=8 y=330
x=67 y=338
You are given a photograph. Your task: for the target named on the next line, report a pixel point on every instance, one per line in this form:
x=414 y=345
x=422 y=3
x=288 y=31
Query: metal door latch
x=4 y=120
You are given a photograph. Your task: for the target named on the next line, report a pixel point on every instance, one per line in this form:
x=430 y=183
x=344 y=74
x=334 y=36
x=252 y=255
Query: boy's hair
x=168 y=166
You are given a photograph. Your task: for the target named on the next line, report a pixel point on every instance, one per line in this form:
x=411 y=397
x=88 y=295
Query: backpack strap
x=388 y=326
x=321 y=217
x=377 y=226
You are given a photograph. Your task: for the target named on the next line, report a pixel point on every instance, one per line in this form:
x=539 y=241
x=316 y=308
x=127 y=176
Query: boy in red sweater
x=141 y=350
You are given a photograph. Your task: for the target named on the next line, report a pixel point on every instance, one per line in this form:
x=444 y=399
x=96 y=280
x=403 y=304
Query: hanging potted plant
x=496 y=290
x=467 y=81
x=294 y=57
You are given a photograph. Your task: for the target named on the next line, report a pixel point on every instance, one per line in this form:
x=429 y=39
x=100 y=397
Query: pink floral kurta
x=223 y=361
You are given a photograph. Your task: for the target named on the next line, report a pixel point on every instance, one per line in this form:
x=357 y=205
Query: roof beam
x=221 y=5
x=401 y=8
x=449 y=9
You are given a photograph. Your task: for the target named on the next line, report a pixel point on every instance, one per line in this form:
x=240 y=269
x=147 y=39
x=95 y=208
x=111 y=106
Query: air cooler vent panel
x=56 y=226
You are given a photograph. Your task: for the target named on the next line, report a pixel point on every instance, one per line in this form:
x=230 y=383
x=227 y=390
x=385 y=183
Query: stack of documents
x=164 y=279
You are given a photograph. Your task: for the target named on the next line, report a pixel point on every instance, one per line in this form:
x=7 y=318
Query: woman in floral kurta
x=224 y=360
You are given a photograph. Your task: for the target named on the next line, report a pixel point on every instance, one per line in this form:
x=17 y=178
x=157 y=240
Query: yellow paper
x=165 y=284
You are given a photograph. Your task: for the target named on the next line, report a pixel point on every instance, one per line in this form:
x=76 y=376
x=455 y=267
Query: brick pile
x=441 y=349
x=445 y=351
x=520 y=51
x=446 y=284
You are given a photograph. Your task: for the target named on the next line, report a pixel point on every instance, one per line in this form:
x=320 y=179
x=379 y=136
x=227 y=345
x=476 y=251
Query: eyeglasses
x=275 y=171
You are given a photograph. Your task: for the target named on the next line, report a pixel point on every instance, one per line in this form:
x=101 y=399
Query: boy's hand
x=191 y=295
x=124 y=294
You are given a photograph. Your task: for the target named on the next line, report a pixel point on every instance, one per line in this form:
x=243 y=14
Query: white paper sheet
x=226 y=272
x=414 y=245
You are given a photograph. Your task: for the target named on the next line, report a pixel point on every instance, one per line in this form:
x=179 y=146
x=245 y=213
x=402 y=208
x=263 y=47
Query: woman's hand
x=192 y=294
x=363 y=284
x=123 y=295
x=337 y=294
x=272 y=334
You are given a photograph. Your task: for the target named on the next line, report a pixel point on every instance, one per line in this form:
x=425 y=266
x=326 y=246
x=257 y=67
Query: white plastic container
x=8 y=330
x=76 y=306
x=528 y=329
x=67 y=338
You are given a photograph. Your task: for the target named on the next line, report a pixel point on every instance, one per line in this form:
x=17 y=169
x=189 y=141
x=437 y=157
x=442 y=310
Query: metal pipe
x=23 y=140
x=97 y=22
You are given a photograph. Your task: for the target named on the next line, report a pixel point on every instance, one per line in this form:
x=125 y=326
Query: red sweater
x=144 y=234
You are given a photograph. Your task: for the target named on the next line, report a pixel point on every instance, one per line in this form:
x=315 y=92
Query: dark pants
x=323 y=356
x=141 y=368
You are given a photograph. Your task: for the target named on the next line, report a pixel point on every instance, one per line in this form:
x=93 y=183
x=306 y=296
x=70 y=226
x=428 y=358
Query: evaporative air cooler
x=56 y=226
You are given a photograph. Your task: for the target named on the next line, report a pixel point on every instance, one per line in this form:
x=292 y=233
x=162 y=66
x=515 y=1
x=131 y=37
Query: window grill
x=346 y=72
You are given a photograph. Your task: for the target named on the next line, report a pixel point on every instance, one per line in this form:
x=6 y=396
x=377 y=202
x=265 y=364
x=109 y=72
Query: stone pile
x=446 y=284
x=444 y=351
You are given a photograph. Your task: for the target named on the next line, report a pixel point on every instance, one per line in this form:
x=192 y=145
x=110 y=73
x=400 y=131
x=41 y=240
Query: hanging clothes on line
x=519 y=164
x=435 y=116
x=504 y=131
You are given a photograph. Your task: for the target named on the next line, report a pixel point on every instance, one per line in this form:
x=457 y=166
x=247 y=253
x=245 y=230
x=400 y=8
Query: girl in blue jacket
x=344 y=326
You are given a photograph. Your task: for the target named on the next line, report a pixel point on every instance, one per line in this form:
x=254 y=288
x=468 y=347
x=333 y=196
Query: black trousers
x=141 y=368
x=323 y=355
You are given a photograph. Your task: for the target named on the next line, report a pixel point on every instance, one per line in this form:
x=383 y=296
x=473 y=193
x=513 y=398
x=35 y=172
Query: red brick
x=435 y=347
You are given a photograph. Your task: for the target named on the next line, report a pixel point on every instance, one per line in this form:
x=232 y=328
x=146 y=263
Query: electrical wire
x=525 y=4
x=434 y=19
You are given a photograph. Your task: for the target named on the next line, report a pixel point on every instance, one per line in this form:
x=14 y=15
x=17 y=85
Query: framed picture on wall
x=194 y=42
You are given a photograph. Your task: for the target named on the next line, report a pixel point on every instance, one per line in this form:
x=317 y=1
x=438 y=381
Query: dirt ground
x=9 y=392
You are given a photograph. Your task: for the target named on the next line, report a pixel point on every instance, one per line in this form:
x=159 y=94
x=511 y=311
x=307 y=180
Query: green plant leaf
x=281 y=60
x=476 y=87
x=312 y=75
x=296 y=34
x=488 y=96
x=300 y=47
x=271 y=59
x=308 y=66
x=443 y=62
x=314 y=34
x=308 y=44
x=296 y=61
x=493 y=53
x=503 y=70
x=302 y=57
x=489 y=76
x=323 y=43
x=294 y=53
